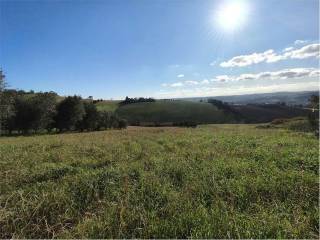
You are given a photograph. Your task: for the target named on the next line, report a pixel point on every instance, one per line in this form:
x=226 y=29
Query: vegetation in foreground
x=215 y=181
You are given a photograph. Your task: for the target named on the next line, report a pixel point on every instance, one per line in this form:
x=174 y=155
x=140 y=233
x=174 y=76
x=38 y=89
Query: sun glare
x=232 y=15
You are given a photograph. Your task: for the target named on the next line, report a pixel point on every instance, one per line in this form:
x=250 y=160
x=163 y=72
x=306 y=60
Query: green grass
x=162 y=111
x=107 y=105
x=215 y=181
x=172 y=111
x=298 y=124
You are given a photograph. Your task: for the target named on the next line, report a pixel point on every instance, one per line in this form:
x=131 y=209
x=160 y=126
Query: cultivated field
x=172 y=111
x=107 y=105
x=163 y=111
x=214 y=181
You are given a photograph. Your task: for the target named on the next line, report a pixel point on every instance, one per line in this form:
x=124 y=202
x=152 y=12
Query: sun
x=232 y=15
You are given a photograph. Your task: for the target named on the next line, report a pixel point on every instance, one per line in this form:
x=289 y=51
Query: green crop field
x=172 y=111
x=164 y=111
x=107 y=105
x=214 y=181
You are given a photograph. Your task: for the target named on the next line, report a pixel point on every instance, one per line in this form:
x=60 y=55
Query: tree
x=5 y=102
x=104 y=120
x=70 y=112
x=136 y=100
x=123 y=123
x=114 y=121
x=44 y=105
x=90 y=120
x=25 y=114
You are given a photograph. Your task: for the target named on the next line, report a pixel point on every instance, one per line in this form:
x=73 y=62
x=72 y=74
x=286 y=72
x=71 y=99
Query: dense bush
x=90 y=120
x=70 y=113
x=123 y=123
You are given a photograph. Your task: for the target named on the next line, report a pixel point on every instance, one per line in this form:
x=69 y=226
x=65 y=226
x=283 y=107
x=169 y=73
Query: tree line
x=33 y=113
x=136 y=100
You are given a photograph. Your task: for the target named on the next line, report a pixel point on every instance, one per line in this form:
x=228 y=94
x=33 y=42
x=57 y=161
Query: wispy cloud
x=312 y=50
x=213 y=63
x=287 y=49
x=191 y=82
x=205 y=81
x=236 y=90
x=282 y=74
x=298 y=42
x=187 y=83
x=290 y=73
x=180 y=76
x=178 y=84
x=270 y=56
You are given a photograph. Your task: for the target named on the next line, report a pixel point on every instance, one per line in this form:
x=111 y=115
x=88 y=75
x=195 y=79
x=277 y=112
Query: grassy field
x=214 y=181
x=172 y=111
x=163 y=111
x=107 y=105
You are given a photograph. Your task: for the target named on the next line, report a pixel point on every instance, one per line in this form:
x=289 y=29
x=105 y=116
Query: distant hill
x=290 y=98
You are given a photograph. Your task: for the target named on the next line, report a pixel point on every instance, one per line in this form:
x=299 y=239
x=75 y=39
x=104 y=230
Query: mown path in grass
x=214 y=181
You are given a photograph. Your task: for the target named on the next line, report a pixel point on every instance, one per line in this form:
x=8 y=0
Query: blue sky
x=160 y=48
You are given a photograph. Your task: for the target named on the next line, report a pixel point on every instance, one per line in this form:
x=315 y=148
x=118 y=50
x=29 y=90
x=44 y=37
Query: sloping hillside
x=290 y=98
x=107 y=105
x=168 y=112
x=172 y=112
x=267 y=112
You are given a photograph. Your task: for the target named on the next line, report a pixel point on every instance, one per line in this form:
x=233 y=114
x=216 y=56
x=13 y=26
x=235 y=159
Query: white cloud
x=297 y=42
x=180 y=76
x=178 y=84
x=308 y=51
x=282 y=74
x=269 y=56
x=221 y=78
x=238 y=90
x=287 y=49
x=174 y=85
x=246 y=60
x=294 y=79
x=213 y=63
x=191 y=82
x=290 y=73
x=205 y=81
x=186 y=83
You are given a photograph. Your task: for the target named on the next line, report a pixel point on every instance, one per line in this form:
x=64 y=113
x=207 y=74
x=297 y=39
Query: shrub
x=70 y=112
x=279 y=121
x=123 y=123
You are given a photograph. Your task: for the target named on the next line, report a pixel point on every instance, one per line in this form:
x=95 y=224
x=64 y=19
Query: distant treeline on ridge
x=136 y=100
